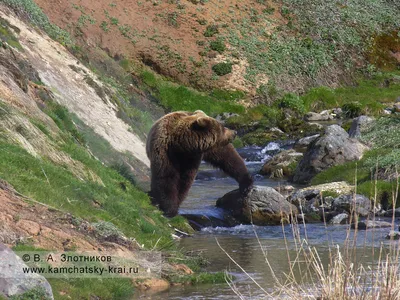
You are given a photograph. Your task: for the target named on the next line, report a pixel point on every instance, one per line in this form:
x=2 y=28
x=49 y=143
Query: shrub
x=352 y=109
x=222 y=69
x=211 y=30
x=292 y=102
x=218 y=45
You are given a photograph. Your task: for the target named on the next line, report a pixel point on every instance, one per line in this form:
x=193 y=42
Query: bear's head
x=210 y=129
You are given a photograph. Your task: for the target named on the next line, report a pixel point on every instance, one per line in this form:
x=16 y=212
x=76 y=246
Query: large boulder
x=302 y=144
x=318 y=200
x=13 y=281
x=335 y=147
x=368 y=224
x=199 y=221
x=282 y=164
x=358 y=125
x=261 y=206
x=352 y=203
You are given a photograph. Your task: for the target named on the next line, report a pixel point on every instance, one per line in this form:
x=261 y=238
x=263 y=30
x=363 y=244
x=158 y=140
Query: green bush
x=218 y=45
x=352 y=110
x=293 y=102
x=222 y=68
x=211 y=30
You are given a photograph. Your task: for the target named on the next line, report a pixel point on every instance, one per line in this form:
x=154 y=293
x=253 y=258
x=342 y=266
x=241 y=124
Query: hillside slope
x=67 y=79
x=257 y=46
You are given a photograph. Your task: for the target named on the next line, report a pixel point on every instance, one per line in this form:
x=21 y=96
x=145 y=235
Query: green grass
x=129 y=210
x=34 y=294
x=371 y=94
x=177 y=97
x=122 y=203
x=83 y=288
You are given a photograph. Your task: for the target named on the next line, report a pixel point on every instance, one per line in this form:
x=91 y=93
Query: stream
x=241 y=244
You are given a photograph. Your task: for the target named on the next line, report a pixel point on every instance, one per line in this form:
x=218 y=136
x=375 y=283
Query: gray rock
x=13 y=281
x=261 y=206
x=389 y=213
x=199 y=221
x=301 y=197
x=302 y=144
x=393 y=235
x=313 y=116
x=317 y=125
x=279 y=165
x=359 y=124
x=349 y=203
x=396 y=107
x=398 y=100
x=285 y=190
x=333 y=148
x=342 y=218
x=368 y=224
x=337 y=112
x=277 y=130
x=387 y=111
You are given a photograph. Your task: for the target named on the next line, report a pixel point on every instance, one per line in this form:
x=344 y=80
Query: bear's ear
x=199 y=112
x=201 y=123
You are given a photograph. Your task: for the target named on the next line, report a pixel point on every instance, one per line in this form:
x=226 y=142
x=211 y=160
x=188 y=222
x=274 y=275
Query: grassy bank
x=368 y=97
x=177 y=97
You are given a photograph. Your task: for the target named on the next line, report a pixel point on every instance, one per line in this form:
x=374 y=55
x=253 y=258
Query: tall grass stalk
x=344 y=277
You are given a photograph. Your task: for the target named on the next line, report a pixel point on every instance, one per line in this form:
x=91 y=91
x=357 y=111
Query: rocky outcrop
x=333 y=202
x=393 y=235
x=302 y=144
x=315 y=198
x=262 y=206
x=335 y=147
x=13 y=281
x=282 y=164
x=368 y=224
x=322 y=116
x=359 y=124
x=352 y=203
x=339 y=219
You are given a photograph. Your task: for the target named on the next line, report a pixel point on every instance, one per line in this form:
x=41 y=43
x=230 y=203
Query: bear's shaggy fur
x=176 y=145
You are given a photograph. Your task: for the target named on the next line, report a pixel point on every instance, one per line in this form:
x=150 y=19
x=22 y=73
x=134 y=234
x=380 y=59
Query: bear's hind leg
x=165 y=193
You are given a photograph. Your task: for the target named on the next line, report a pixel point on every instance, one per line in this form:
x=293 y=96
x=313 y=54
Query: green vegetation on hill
x=369 y=96
x=121 y=203
x=177 y=97
x=36 y=16
x=319 y=40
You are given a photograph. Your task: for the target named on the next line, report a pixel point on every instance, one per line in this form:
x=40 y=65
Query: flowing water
x=244 y=247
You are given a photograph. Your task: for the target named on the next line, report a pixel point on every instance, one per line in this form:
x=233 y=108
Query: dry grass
x=345 y=276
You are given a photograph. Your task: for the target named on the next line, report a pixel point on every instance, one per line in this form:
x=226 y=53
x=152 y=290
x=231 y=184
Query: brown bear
x=176 y=145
